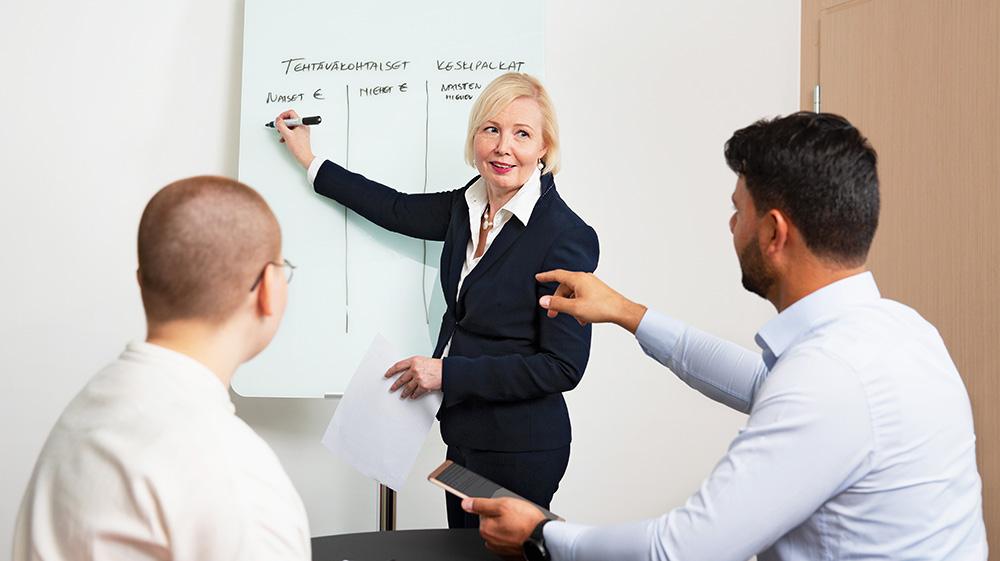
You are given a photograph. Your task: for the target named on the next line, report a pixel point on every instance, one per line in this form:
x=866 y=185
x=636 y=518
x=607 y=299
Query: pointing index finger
x=556 y=275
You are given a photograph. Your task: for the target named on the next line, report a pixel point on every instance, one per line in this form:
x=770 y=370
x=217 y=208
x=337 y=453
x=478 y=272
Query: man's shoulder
x=134 y=404
x=871 y=333
x=140 y=421
x=814 y=373
x=866 y=354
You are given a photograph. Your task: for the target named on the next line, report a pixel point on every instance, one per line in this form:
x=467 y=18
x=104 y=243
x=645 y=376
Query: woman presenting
x=500 y=364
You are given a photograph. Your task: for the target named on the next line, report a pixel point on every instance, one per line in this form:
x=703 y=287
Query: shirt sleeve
x=314 y=169
x=422 y=215
x=721 y=370
x=808 y=438
x=622 y=541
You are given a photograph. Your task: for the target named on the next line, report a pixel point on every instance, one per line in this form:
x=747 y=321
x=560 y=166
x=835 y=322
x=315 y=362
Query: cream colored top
x=149 y=461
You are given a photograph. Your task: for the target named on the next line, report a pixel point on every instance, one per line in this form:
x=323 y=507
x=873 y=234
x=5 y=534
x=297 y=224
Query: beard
x=757 y=276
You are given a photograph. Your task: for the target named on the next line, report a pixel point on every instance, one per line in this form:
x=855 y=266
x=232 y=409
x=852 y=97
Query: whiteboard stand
x=386 y=509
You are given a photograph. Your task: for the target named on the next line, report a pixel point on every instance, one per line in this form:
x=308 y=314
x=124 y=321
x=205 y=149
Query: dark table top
x=403 y=545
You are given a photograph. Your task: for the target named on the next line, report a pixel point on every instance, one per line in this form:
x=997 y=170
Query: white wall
x=105 y=102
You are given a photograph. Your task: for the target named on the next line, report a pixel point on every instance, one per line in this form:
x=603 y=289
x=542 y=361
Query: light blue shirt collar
x=777 y=335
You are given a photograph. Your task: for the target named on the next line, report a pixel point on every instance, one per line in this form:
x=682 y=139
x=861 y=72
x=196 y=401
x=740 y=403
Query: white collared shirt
x=520 y=205
x=149 y=462
x=859 y=444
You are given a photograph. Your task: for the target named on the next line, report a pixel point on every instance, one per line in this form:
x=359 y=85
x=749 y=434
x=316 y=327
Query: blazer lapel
x=459 y=242
x=511 y=231
x=503 y=242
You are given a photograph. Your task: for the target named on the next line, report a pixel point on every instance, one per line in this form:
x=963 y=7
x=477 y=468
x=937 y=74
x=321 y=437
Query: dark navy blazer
x=508 y=363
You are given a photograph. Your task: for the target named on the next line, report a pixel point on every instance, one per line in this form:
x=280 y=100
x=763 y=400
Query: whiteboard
x=394 y=82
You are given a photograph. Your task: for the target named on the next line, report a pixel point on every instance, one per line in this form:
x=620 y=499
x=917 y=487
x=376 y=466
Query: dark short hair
x=817 y=169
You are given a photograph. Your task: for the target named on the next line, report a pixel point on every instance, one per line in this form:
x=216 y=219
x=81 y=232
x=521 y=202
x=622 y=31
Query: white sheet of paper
x=375 y=431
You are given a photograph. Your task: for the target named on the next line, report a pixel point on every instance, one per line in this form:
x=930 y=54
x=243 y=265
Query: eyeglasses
x=286 y=264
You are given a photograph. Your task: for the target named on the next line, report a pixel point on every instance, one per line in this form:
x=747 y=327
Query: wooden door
x=921 y=78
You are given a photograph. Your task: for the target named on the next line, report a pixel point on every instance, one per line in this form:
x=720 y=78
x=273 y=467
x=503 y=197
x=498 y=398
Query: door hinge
x=816 y=105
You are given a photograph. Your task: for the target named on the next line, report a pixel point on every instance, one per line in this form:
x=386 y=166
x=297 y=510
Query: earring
x=541 y=164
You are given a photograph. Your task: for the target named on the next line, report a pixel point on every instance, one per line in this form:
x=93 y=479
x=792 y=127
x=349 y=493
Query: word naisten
x=460 y=87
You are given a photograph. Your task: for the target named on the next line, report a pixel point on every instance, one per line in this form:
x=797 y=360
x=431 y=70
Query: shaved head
x=202 y=243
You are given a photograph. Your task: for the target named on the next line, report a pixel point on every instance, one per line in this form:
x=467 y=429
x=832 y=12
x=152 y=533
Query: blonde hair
x=500 y=93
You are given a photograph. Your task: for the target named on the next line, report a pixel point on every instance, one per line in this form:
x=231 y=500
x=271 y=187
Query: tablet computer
x=464 y=484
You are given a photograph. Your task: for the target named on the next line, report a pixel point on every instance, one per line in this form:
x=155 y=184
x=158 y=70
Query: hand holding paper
x=378 y=434
x=419 y=375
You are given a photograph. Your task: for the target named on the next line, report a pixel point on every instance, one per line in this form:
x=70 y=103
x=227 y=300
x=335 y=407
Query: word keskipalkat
x=475 y=65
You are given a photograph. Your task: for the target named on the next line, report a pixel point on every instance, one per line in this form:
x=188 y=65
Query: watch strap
x=534 y=547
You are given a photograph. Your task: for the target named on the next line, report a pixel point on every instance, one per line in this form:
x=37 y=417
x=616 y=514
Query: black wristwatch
x=534 y=548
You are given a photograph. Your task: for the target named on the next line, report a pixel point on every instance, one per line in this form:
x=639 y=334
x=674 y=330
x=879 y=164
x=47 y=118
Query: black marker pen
x=297 y=122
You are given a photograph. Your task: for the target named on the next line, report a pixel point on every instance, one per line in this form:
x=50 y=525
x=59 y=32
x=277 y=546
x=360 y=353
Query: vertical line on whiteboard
x=347 y=164
x=427 y=125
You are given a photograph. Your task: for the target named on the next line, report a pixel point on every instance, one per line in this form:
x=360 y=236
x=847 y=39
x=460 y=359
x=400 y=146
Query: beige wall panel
x=921 y=79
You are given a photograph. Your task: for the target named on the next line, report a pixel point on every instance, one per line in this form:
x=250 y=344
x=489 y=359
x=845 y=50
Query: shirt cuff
x=559 y=538
x=658 y=335
x=313 y=170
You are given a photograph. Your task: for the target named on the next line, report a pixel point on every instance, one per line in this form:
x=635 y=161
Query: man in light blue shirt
x=860 y=442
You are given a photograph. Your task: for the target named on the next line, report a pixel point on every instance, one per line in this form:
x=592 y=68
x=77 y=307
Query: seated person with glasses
x=149 y=460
